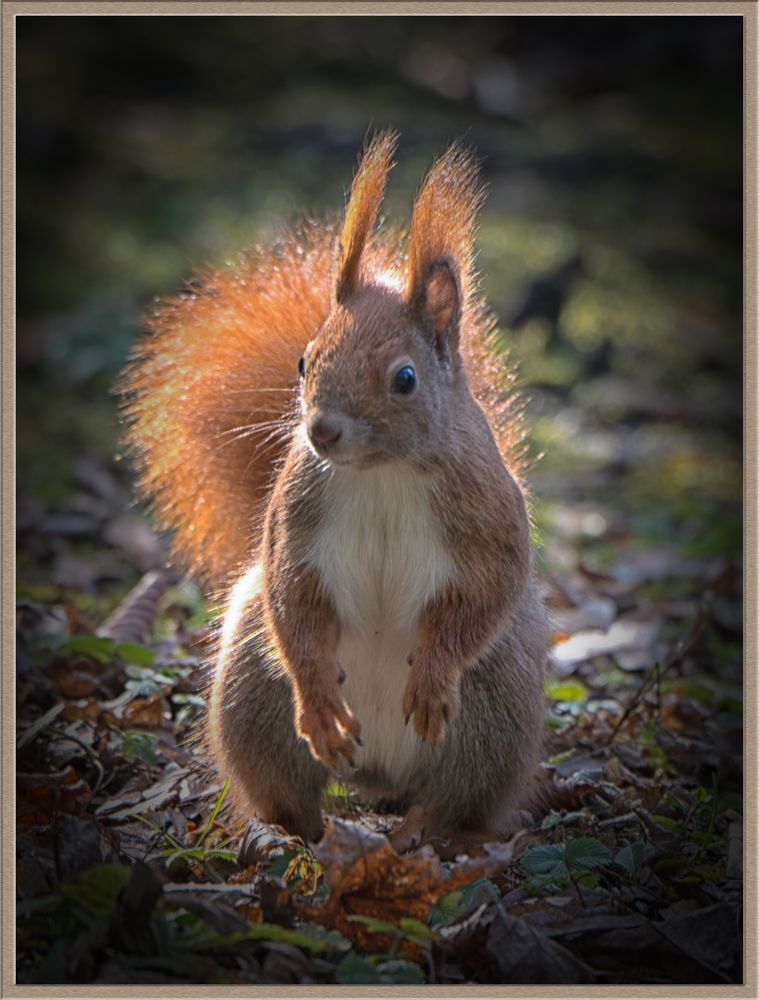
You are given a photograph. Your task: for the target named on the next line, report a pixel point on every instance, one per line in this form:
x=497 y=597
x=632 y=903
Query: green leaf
x=630 y=857
x=710 y=873
x=139 y=746
x=556 y=862
x=545 y=860
x=415 y=930
x=670 y=866
x=356 y=969
x=360 y=969
x=585 y=854
x=211 y=819
x=447 y=909
x=97 y=888
x=336 y=790
x=566 y=690
x=399 y=970
x=312 y=938
x=97 y=647
x=588 y=881
x=667 y=823
x=135 y=652
x=279 y=865
x=702 y=837
x=555 y=723
x=187 y=932
x=678 y=804
x=454 y=903
x=469 y=890
x=374 y=925
x=536 y=885
x=200 y=854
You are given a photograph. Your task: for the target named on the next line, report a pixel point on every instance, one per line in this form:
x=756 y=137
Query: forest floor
x=615 y=207
x=132 y=870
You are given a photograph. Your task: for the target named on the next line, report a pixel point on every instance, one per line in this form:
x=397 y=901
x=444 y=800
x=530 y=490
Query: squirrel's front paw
x=432 y=701
x=330 y=728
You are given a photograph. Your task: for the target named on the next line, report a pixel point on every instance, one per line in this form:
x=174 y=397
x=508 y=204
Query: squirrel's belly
x=376 y=671
x=380 y=556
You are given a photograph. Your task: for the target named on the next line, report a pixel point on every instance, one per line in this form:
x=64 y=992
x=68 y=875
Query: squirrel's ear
x=440 y=270
x=366 y=195
x=437 y=306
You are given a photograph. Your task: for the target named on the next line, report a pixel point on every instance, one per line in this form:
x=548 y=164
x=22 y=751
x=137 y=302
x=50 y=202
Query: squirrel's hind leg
x=478 y=778
x=252 y=732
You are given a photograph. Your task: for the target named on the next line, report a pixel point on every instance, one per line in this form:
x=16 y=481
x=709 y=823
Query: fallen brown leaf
x=146 y=711
x=38 y=796
x=366 y=877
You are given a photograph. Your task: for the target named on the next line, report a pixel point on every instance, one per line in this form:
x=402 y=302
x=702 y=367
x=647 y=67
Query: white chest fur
x=381 y=558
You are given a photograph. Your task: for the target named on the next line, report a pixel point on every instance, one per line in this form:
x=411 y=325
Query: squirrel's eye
x=404 y=381
x=302 y=367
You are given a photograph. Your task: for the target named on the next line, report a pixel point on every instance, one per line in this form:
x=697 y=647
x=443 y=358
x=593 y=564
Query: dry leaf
x=366 y=877
x=622 y=635
x=41 y=795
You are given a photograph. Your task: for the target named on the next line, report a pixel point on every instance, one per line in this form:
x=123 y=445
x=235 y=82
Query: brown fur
x=212 y=398
x=302 y=624
x=443 y=226
x=365 y=199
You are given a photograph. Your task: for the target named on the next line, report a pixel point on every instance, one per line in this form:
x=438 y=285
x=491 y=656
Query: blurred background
x=610 y=244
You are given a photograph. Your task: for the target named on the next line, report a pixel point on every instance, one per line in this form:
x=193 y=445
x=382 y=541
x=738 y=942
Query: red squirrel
x=325 y=424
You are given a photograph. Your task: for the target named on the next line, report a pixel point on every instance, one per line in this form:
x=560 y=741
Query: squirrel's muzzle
x=324 y=431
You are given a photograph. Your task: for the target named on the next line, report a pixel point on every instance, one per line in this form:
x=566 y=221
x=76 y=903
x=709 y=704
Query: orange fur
x=443 y=223
x=210 y=395
x=367 y=192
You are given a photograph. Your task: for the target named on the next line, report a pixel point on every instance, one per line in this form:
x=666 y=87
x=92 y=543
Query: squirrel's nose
x=324 y=431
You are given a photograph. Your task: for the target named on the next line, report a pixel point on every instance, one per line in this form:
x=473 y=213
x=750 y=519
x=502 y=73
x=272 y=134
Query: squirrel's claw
x=432 y=709
x=331 y=730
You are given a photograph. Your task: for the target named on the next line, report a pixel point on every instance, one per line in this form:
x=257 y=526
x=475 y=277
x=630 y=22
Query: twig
x=576 y=884
x=656 y=673
x=37 y=727
x=619 y=820
x=93 y=757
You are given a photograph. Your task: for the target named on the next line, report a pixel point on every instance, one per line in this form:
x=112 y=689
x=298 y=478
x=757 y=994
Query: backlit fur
x=390 y=619
x=211 y=394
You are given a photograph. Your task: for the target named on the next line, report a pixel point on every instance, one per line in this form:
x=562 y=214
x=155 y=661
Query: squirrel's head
x=377 y=379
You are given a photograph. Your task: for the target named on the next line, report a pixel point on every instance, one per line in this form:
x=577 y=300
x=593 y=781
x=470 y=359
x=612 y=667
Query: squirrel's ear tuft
x=366 y=195
x=440 y=271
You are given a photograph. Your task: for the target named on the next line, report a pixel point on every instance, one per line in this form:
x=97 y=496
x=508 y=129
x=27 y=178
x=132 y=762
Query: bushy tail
x=210 y=396
x=211 y=393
